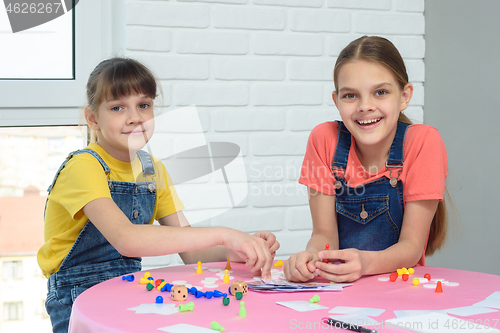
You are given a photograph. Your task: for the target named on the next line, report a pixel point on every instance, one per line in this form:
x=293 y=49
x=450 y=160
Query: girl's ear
x=406 y=96
x=335 y=97
x=91 y=118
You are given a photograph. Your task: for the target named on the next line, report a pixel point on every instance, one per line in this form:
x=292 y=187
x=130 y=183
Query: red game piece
x=327 y=247
x=427 y=276
x=158 y=282
x=405 y=277
x=393 y=276
x=439 y=287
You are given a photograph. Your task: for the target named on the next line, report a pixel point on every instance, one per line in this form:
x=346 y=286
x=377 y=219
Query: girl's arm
x=133 y=240
x=406 y=252
x=300 y=266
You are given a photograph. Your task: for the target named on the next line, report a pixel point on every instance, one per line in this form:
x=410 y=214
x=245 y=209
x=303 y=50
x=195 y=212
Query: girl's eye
x=381 y=93
x=349 y=96
x=144 y=106
x=116 y=108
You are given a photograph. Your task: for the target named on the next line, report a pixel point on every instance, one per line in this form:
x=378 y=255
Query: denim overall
x=92 y=259
x=369 y=216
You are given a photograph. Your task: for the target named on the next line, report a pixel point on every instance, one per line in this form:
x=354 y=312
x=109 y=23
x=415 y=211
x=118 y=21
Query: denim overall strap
x=92 y=259
x=370 y=216
x=343 y=147
x=147 y=163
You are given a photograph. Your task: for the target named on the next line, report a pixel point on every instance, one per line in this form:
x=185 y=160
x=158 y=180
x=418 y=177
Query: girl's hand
x=300 y=266
x=254 y=251
x=270 y=238
x=343 y=266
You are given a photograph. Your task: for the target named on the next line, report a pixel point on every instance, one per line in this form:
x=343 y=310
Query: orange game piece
x=228 y=265
x=226 y=277
x=439 y=287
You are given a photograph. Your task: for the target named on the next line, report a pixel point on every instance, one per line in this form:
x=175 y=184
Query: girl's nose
x=366 y=104
x=135 y=116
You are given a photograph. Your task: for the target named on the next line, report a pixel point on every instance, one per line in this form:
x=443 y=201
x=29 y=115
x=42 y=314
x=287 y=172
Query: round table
x=105 y=307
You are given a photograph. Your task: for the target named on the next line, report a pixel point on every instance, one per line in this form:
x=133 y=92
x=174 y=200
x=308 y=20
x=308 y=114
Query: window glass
x=13 y=311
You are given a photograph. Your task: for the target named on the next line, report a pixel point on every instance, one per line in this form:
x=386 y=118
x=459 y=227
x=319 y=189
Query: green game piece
x=150 y=286
x=238 y=295
x=243 y=311
x=216 y=326
x=225 y=301
x=186 y=307
x=314 y=299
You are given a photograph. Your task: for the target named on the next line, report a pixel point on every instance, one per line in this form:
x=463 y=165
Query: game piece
x=405 y=277
x=159 y=299
x=439 y=287
x=278 y=263
x=216 y=327
x=228 y=265
x=192 y=290
x=219 y=294
x=147 y=274
x=243 y=311
x=427 y=276
x=149 y=286
x=238 y=286
x=209 y=294
x=411 y=270
x=238 y=295
x=167 y=287
x=405 y=271
x=128 y=277
x=416 y=281
x=327 y=247
x=144 y=280
x=400 y=271
x=158 y=282
x=199 y=269
x=225 y=301
x=179 y=293
x=186 y=307
x=314 y=299
x=393 y=276
x=226 y=276
x=161 y=286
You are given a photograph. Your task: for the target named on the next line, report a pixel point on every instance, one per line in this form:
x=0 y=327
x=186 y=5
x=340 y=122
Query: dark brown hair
x=382 y=51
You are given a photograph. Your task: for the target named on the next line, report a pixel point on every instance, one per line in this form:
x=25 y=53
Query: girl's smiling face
x=369 y=100
x=124 y=125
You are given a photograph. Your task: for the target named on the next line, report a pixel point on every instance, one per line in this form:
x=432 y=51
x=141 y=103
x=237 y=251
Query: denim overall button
x=393 y=182
x=110 y=185
x=338 y=184
x=136 y=213
x=135 y=191
x=151 y=187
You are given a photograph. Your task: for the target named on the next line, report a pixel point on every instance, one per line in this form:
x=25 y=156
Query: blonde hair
x=117 y=77
x=382 y=51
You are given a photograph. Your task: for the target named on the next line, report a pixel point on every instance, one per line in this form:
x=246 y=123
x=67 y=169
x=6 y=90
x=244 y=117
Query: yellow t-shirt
x=82 y=180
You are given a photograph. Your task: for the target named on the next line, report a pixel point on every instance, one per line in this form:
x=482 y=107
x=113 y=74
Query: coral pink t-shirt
x=423 y=174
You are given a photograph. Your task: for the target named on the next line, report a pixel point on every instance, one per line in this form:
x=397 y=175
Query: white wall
x=260 y=74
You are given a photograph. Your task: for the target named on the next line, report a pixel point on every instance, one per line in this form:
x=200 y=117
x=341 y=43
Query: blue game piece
x=209 y=294
x=167 y=287
x=199 y=294
x=192 y=290
x=128 y=277
x=219 y=294
x=159 y=299
x=151 y=278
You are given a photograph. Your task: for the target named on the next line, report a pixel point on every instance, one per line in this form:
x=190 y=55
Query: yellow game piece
x=228 y=265
x=405 y=271
x=400 y=271
x=278 y=263
x=226 y=276
x=161 y=285
x=416 y=281
x=147 y=274
x=199 y=269
x=144 y=280
x=411 y=270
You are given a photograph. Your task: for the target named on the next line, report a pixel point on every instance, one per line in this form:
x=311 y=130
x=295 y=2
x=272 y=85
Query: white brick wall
x=260 y=74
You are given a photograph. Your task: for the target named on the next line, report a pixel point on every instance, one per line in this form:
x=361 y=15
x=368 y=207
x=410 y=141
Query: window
x=12 y=270
x=12 y=311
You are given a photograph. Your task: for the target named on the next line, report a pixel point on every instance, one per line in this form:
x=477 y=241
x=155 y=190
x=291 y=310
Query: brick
x=287 y=94
x=416 y=70
x=265 y=170
x=291 y=3
x=167 y=67
x=288 y=44
x=211 y=94
x=168 y=15
x=416 y=114
x=410 y=47
x=277 y=195
x=293 y=168
x=279 y=144
x=360 y=4
x=418 y=94
x=248 y=120
x=249 y=18
x=311 y=70
x=165 y=98
x=409 y=5
x=249 y=69
x=299 y=218
x=211 y=42
x=329 y=88
x=337 y=43
x=148 y=39
x=320 y=21
x=292 y=242
x=408 y=24
x=306 y=120
x=240 y=140
x=251 y=220
x=217 y=1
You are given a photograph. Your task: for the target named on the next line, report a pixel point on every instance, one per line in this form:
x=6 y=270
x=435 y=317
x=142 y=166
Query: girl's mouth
x=368 y=122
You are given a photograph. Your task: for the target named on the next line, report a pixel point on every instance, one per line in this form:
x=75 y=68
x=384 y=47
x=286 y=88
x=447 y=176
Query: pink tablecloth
x=104 y=308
